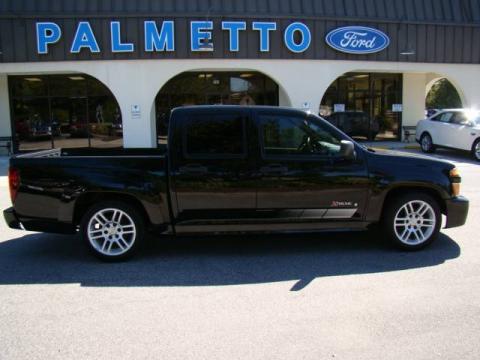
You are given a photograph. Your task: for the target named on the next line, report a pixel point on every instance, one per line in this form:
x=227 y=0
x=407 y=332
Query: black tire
x=476 y=150
x=412 y=230
x=122 y=238
x=426 y=143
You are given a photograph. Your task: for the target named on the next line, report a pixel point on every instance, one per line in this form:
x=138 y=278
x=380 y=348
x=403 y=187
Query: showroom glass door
x=365 y=105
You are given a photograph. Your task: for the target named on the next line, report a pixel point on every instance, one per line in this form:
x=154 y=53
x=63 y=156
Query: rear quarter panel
x=50 y=187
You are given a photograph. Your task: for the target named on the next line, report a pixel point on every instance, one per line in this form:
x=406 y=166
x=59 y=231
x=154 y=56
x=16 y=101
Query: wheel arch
x=426 y=132
x=89 y=199
x=402 y=189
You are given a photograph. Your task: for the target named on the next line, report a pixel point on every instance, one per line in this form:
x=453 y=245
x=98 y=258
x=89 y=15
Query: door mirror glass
x=347 y=150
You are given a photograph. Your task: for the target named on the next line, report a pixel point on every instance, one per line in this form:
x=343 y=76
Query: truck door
x=302 y=176
x=211 y=175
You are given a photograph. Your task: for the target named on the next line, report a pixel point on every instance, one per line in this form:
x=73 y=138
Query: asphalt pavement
x=322 y=296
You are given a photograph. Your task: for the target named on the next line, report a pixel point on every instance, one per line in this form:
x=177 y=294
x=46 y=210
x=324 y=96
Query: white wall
x=413 y=98
x=5 y=127
x=138 y=81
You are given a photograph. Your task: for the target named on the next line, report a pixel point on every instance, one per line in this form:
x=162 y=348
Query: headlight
x=455 y=179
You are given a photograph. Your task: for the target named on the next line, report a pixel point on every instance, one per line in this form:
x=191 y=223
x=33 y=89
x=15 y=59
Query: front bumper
x=11 y=218
x=457 y=211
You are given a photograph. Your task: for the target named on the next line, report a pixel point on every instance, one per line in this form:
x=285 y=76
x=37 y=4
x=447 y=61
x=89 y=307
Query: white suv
x=450 y=128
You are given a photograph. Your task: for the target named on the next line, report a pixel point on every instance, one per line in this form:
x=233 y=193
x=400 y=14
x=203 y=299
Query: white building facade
x=274 y=56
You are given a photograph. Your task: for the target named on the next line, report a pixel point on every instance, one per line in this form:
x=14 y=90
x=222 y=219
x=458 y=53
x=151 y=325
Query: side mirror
x=347 y=150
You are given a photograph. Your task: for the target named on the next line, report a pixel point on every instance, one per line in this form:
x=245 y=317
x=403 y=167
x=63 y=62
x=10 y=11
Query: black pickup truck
x=234 y=169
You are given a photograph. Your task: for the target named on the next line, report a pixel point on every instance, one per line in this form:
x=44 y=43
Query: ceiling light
x=32 y=79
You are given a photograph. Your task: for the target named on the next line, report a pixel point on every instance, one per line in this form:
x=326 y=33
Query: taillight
x=13 y=182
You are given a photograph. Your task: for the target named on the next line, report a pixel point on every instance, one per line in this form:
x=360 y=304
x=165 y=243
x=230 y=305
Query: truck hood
x=403 y=158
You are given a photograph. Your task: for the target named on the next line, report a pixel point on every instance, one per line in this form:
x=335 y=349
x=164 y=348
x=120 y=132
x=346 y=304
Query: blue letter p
x=47 y=33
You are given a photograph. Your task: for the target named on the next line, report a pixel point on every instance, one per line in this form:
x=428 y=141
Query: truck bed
x=56 y=183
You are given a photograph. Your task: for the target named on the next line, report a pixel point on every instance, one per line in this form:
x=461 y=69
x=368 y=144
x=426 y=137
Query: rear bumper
x=457 y=211
x=41 y=225
x=11 y=219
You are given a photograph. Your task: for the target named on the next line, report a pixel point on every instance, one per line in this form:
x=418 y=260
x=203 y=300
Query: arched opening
x=213 y=88
x=441 y=94
x=63 y=111
x=365 y=105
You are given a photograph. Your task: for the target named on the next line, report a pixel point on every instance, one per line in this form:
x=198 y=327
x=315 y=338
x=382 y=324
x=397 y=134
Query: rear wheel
x=412 y=221
x=476 y=150
x=112 y=230
x=426 y=143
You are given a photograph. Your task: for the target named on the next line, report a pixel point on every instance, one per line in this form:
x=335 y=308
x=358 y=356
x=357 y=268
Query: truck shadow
x=213 y=260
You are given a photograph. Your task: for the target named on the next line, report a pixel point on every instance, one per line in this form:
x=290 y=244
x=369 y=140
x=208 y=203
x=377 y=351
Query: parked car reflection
x=355 y=123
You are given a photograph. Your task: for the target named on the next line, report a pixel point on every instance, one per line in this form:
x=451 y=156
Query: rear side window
x=214 y=135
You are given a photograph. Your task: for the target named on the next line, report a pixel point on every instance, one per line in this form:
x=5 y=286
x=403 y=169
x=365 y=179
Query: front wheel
x=412 y=221
x=426 y=143
x=112 y=230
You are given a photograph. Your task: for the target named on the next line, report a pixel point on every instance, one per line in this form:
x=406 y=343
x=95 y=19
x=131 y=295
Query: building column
x=129 y=85
x=469 y=80
x=413 y=99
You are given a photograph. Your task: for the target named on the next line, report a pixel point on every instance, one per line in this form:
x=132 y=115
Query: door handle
x=192 y=169
x=274 y=169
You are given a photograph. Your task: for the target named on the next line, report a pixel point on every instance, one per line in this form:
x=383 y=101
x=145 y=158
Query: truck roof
x=239 y=107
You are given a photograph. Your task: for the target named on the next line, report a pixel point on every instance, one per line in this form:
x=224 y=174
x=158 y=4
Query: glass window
x=289 y=135
x=459 y=118
x=31 y=85
x=32 y=126
x=443 y=117
x=63 y=111
x=212 y=88
x=69 y=121
x=371 y=93
x=72 y=86
x=211 y=134
x=105 y=122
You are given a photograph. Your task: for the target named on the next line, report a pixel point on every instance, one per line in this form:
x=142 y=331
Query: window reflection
x=32 y=124
x=63 y=111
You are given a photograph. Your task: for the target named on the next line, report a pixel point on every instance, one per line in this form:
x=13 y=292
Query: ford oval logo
x=357 y=40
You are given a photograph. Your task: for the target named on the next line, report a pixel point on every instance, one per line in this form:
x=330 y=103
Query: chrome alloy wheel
x=414 y=222
x=426 y=143
x=111 y=232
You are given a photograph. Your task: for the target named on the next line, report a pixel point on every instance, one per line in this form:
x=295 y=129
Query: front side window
x=292 y=135
x=459 y=118
x=207 y=135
